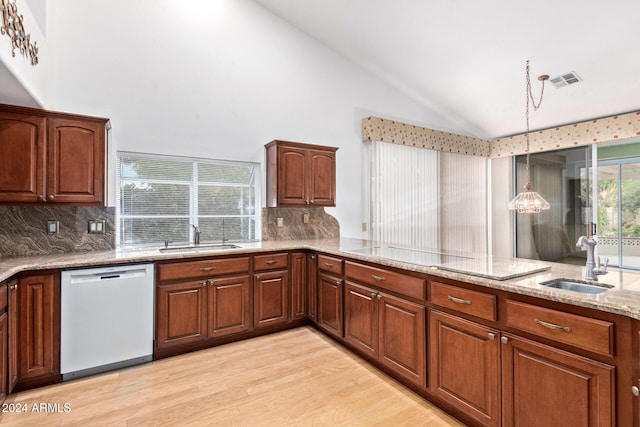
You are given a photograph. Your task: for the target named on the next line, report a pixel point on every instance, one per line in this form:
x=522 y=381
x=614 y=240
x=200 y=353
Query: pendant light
x=528 y=201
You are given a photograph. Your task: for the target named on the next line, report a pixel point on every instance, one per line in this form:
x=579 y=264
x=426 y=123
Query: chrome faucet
x=592 y=272
x=196 y=235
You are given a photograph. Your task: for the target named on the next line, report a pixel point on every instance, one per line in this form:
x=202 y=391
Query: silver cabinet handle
x=491 y=336
x=207 y=268
x=459 y=300
x=373 y=294
x=338 y=282
x=635 y=390
x=211 y=282
x=205 y=283
x=379 y=296
x=328 y=264
x=504 y=340
x=379 y=278
x=271 y=261
x=51 y=197
x=552 y=326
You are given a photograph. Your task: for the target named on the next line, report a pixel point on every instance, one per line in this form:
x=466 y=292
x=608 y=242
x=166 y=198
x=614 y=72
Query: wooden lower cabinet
x=298 y=271
x=12 y=362
x=464 y=366
x=229 y=305
x=329 y=316
x=34 y=331
x=181 y=313
x=4 y=355
x=387 y=328
x=312 y=287
x=271 y=298
x=545 y=386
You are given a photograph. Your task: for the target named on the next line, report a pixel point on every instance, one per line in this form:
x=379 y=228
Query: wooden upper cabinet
x=300 y=174
x=52 y=157
x=22 y=150
x=76 y=161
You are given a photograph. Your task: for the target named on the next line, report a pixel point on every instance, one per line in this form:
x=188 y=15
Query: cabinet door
x=330 y=304
x=292 y=176
x=38 y=327
x=464 y=362
x=322 y=173
x=13 y=335
x=3 y=355
x=76 y=161
x=544 y=386
x=402 y=338
x=229 y=305
x=271 y=298
x=181 y=313
x=22 y=150
x=298 y=285
x=361 y=318
x=312 y=287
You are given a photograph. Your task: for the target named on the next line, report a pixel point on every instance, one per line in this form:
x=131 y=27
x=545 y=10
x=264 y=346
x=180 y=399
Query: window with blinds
x=428 y=199
x=161 y=198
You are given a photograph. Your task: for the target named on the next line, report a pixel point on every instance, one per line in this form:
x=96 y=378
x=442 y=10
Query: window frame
x=194 y=217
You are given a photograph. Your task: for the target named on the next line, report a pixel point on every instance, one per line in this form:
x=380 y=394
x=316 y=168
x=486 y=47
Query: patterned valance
x=612 y=128
x=377 y=129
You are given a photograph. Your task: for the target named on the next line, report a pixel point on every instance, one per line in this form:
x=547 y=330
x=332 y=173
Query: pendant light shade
x=528 y=201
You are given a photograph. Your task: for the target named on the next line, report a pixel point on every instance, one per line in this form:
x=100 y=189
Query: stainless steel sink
x=199 y=248
x=577 y=286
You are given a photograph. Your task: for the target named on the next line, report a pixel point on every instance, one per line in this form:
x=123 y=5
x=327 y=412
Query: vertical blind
x=428 y=199
x=161 y=198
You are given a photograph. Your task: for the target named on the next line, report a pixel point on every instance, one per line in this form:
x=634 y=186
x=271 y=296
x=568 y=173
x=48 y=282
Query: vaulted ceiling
x=466 y=59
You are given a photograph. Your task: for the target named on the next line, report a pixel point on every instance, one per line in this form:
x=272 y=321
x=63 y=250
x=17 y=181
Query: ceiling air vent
x=566 y=79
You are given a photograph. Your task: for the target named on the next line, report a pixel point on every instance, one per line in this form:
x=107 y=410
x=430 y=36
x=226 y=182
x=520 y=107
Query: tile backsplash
x=320 y=224
x=23 y=230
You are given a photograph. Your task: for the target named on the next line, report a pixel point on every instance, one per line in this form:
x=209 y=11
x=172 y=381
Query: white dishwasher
x=106 y=319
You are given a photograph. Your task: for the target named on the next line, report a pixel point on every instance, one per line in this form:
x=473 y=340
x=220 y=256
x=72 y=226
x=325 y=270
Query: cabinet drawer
x=3 y=299
x=206 y=268
x=333 y=265
x=270 y=261
x=410 y=286
x=580 y=331
x=479 y=304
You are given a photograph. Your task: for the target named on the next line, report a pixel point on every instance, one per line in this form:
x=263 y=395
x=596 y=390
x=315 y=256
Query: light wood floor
x=293 y=378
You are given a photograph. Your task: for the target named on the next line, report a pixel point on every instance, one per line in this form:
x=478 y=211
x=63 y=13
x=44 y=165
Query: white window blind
x=428 y=199
x=160 y=198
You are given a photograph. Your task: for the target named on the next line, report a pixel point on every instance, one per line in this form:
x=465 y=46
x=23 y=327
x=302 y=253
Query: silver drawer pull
x=207 y=268
x=552 y=326
x=328 y=264
x=380 y=278
x=271 y=261
x=459 y=300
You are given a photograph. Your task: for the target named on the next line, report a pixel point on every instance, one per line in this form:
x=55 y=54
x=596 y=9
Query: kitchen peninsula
x=472 y=334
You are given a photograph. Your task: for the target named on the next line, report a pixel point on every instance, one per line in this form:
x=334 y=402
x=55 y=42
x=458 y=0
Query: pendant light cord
x=529 y=97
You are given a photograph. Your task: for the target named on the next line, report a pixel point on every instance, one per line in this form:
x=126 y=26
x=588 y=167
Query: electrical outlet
x=53 y=227
x=280 y=222
x=305 y=218
x=364 y=226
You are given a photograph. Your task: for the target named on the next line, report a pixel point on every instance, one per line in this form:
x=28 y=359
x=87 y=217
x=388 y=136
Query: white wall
x=219 y=79
x=23 y=83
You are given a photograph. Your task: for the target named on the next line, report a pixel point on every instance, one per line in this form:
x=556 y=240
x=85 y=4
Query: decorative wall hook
x=13 y=27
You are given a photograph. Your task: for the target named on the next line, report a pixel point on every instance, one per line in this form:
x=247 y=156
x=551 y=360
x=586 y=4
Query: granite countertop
x=508 y=274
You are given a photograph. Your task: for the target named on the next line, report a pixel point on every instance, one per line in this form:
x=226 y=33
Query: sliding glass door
x=619 y=211
x=563 y=178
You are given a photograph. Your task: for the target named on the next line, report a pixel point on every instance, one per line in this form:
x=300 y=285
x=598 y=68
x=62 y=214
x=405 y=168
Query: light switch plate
x=280 y=222
x=305 y=218
x=53 y=227
x=96 y=226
